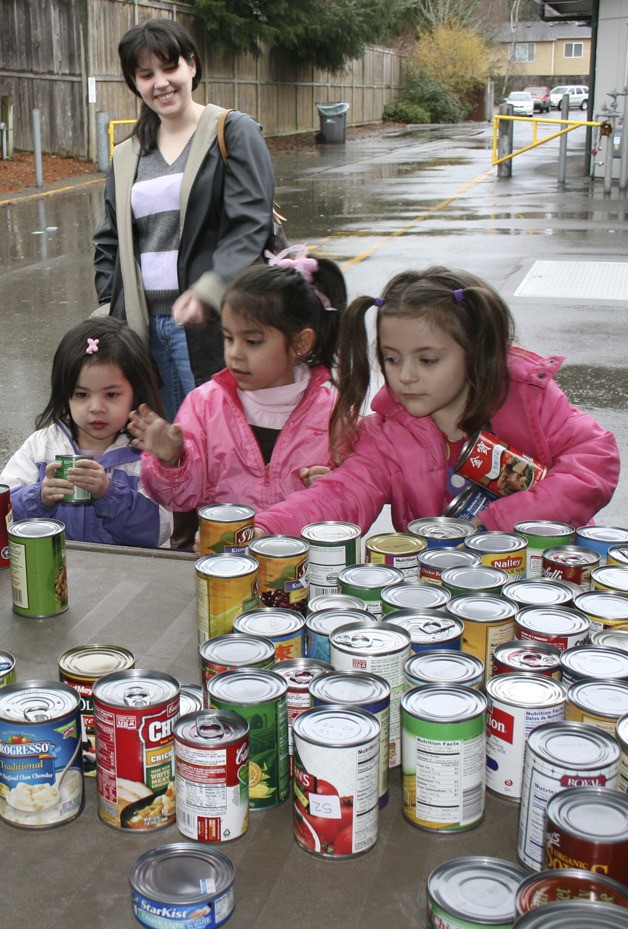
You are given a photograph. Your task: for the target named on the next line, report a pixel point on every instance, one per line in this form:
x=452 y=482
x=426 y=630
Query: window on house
x=523 y=51
x=573 y=49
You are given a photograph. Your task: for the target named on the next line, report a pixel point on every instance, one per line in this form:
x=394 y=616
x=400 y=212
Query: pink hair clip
x=92 y=346
x=295 y=257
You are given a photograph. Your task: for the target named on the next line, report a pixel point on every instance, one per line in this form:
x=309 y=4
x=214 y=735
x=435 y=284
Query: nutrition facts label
x=449 y=781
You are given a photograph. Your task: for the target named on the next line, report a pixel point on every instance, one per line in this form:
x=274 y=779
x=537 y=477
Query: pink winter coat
x=221 y=461
x=401 y=460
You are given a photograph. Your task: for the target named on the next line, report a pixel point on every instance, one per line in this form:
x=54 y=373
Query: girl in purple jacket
x=100 y=371
x=444 y=344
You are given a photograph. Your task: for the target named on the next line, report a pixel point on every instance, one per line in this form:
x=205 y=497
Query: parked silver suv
x=578 y=95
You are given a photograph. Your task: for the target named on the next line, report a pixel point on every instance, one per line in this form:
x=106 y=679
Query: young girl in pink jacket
x=444 y=344
x=258 y=430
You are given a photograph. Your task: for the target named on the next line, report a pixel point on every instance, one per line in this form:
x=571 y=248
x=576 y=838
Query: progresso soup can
x=333 y=546
x=397 y=549
x=39 y=580
x=283 y=571
x=441 y=531
x=285 y=629
x=367 y=581
x=226 y=585
x=472 y=892
x=225 y=527
x=539 y=535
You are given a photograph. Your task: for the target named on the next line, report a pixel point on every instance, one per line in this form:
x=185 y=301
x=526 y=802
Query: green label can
x=541 y=534
x=7 y=669
x=333 y=546
x=77 y=494
x=472 y=893
x=39 y=581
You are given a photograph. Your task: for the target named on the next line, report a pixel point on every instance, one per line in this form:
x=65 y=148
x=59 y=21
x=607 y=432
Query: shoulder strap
x=222 y=142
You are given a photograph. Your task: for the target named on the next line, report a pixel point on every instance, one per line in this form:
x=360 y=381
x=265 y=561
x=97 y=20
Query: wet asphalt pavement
x=377 y=205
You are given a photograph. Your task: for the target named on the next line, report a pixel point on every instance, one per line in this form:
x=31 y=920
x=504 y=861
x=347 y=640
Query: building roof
x=538 y=31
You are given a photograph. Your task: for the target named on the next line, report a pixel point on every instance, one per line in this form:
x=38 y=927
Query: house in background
x=539 y=52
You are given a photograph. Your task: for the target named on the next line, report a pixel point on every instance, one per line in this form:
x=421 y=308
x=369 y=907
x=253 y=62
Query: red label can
x=492 y=463
x=570 y=563
x=6 y=518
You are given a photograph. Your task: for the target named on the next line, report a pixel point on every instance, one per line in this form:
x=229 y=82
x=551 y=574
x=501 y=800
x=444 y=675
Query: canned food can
x=182 y=885
x=77 y=494
x=494 y=464
x=7 y=669
x=380 y=649
x=414 y=596
x=397 y=550
x=516 y=704
x=538 y=591
x=41 y=771
x=441 y=666
x=488 y=621
x=598 y=703
x=320 y=625
x=211 y=756
x=368 y=692
x=6 y=519
x=285 y=629
x=472 y=892
x=134 y=714
x=259 y=695
x=441 y=531
x=565 y=915
x=469 y=503
x=587 y=827
x=231 y=652
x=443 y=724
x=283 y=571
x=586 y=662
x=39 y=579
x=568 y=883
x=433 y=561
x=225 y=528
x=429 y=629
x=535 y=657
x=299 y=674
x=604 y=608
x=570 y=563
x=462 y=581
x=503 y=550
x=367 y=581
x=601 y=538
x=80 y=667
x=560 y=626
x=618 y=555
x=333 y=546
x=541 y=534
x=190 y=698
x=621 y=734
x=226 y=585
x=336 y=759
x=610 y=577
x=610 y=638
x=559 y=755
x=335 y=602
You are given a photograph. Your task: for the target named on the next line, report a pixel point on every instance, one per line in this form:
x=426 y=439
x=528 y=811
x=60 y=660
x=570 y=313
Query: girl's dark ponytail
x=353 y=378
x=329 y=281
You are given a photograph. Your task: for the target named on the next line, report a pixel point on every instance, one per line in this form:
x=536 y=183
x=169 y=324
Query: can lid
x=335 y=602
x=603 y=604
x=37 y=701
x=36 y=528
x=226 y=565
x=279 y=546
x=591 y=813
x=93 y=661
x=301 y=672
x=237 y=648
x=578 y=746
x=444 y=666
x=226 y=512
x=136 y=687
x=619 y=553
x=426 y=625
x=181 y=873
x=528 y=656
x=612 y=576
x=190 y=699
x=269 y=621
x=482 y=608
x=211 y=728
x=612 y=534
x=337 y=726
x=442 y=703
x=352 y=687
x=544 y=527
x=7 y=661
x=369 y=576
x=376 y=639
x=611 y=638
x=537 y=591
x=477 y=889
x=481 y=577
x=331 y=532
x=552 y=621
x=395 y=543
x=325 y=621
x=247 y=686
x=526 y=690
x=441 y=558
x=441 y=527
x=570 y=913
x=415 y=596
x=606 y=698
x=558 y=884
x=596 y=661
x=493 y=542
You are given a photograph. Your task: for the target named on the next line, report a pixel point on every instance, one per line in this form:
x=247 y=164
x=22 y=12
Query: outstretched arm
x=153 y=434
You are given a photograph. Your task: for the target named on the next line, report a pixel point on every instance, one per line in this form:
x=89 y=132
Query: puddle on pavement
x=594 y=387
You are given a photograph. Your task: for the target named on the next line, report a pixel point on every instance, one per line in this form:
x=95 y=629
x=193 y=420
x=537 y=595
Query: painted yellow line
x=415 y=222
x=50 y=193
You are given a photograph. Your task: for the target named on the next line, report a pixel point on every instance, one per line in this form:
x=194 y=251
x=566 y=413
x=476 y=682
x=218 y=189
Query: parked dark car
x=540 y=97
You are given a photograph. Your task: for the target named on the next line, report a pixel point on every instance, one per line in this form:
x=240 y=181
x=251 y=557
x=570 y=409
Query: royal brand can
x=225 y=527
x=368 y=692
x=559 y=755
x=610 y=577
x=429 y=629
x=77 y=494
x=599 y=703
x=190 y=698
x=260 y=697
x=333 y=546
x=621 y=734
x=570 y=563
x=7 y=669
x=41 y=771
x=560 y=626
x=232 y=652
x=611 y=638
x=380 y=649
x=442 y=666
x=538 y=591
x=285 y=629
x=415 y=596
x=335 y=602
x=488 y=621
x=568 y=884
x=39 y=580
x=81 y=667
x=441 y=531
x=211 y=753
x=182 y=886
x=587 y=827
x=226 y=585
x=587 y=662
x=336 y=759
x=516 y=704
x=462 y=581
x=367 y=582
x=580 y=913
x=299 y=674
x=618 y=555
x=501 y=469
x=443 y=729
x=541 y=534
x=134 y=714
x=283 y=571
x=503 y=550
x=469 y=503
x=472 y=892
x=319 y=626
x=604 y=608
x=519 y=655
x=433 y=561
x=6 y=519
x=601 y=538
x=397 y=550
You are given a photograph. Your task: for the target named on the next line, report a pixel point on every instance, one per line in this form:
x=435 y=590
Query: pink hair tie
x=303 y=265
x=92 y=346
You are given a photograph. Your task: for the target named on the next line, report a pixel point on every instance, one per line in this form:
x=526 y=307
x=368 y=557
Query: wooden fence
x=60 y=57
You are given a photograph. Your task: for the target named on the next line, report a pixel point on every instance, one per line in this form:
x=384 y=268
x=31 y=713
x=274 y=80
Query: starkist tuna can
x=226 y=585
x=367 y=581
x=419 y=595
x=433 y=561
x=320 y=625
x=283 y=571
x=397 y=549
x=473 y=892
x=285 y=629
x=429 y=629
x=539 y=535
x=39 y=580
x=496 y=466
x=226 y=527
x=333 y=546
x=441 y=531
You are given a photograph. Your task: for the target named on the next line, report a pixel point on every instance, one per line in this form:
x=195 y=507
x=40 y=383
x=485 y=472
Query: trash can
x=333 y=118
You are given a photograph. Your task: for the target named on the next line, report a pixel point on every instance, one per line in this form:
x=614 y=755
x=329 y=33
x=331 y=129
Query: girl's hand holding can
x=153 y=434
x=53 y=489
x=91 y=476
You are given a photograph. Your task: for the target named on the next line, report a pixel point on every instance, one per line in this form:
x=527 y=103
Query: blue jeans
x=169 y=348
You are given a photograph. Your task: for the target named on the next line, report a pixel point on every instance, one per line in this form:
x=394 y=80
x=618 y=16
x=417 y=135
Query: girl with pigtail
x=444 y=343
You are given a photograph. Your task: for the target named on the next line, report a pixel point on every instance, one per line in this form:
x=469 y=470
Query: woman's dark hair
x=117 y=345
x=169 y=41
x=460 y=304
x=268 y=295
